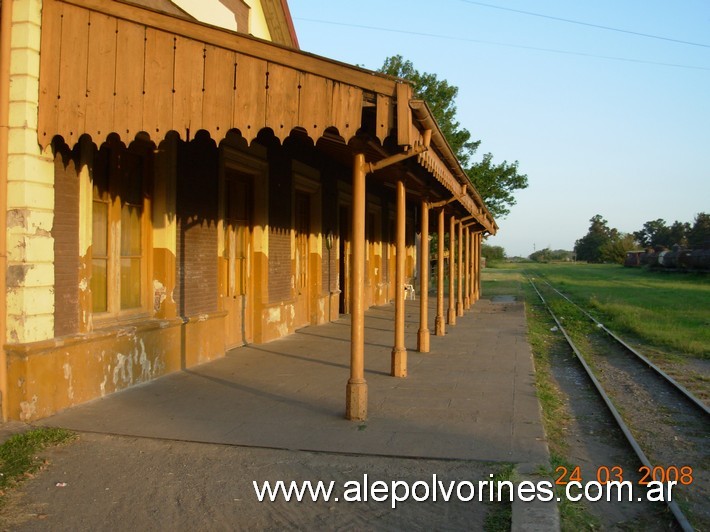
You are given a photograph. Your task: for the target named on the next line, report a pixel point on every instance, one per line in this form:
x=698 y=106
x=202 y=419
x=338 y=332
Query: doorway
x=302 y=228
x=237 y=236
x=344 y=254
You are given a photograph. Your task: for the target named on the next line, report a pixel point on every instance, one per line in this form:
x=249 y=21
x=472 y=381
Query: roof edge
x=423 y=115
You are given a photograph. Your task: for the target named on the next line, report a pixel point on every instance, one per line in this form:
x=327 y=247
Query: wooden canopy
x=108 y=66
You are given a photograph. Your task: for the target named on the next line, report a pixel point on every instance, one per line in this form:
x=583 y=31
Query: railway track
x=666 y=425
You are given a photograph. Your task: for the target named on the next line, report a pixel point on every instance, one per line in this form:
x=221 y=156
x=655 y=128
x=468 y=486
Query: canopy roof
x=110 y=66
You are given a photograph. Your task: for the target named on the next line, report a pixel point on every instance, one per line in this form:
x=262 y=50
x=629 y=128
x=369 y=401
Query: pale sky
x=628 y=139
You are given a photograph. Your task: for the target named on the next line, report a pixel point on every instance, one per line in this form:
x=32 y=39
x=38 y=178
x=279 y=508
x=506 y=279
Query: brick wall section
x=280 y=230
x=66 y=245
x=279 y=265
x=196 y=250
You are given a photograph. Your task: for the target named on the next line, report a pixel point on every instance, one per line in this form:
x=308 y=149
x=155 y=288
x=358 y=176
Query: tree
x=699 y=234
x=541 y=255
x=549 y=255
x=678 y=234
x=653 y=233
x=496 y=183
x=656 y=233
x=615 y=249
x=492 y=252
x=589 y=247
x=440 y=96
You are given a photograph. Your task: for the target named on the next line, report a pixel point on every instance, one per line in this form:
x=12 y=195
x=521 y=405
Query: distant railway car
x=699 y=259
x=675 y=259
x=633 y=258
x=668 y=259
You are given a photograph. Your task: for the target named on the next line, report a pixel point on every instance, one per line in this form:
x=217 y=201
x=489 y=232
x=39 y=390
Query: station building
x=171 y=190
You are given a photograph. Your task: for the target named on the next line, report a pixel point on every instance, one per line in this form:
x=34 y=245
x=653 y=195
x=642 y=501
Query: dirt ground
x=104 y=482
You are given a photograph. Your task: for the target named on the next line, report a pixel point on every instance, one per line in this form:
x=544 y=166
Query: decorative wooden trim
x=244 y=44
x=102 y=72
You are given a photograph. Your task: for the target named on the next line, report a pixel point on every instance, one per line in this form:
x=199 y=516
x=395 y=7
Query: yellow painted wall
x=30 y=190
x=215 y=13
x=46 y=377
x=257 y=20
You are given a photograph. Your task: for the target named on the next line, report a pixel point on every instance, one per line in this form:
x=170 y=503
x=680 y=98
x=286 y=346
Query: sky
x=602 y=122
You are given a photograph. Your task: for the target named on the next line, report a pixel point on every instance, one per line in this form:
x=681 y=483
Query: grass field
x=670 y=311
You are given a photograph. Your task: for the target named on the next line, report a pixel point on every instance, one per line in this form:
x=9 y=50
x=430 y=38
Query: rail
x=700 y=404
x=672 y=505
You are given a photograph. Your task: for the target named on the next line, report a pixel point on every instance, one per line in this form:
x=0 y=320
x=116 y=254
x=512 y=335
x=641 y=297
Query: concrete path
x=471 y=400
x=472 y=397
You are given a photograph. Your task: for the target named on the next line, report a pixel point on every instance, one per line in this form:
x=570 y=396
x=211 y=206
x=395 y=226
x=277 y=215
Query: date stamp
x=682 y=475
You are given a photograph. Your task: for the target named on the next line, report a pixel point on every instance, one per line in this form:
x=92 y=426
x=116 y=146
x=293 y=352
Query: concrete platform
x=472 y=397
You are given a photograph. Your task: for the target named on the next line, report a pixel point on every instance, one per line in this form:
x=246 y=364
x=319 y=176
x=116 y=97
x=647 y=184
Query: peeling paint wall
x=46 y=377
x=276 y=321
x=30 y=190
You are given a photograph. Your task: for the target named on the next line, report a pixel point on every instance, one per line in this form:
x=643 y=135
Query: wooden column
x=474 y=256
x=459 y=273
x=467 y=270
x=439 y=322
x=478 y=265
x=423 y=334
x=451 y=314
x=399 y=352
x=356 y=390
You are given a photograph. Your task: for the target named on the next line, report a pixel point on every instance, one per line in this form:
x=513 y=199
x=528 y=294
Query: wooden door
x=237 y=250
x=302 y=226
x=344 y=263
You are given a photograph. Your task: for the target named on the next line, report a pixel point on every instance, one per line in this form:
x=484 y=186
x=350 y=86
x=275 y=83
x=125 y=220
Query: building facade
x=172 y=190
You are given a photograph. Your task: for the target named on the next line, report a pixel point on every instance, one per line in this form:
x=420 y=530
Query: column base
x=356 y=401
x=439 y=326
x=459 y=308
x=467 y=303
x=423 y=341
x=451 y=317
x=399 y=362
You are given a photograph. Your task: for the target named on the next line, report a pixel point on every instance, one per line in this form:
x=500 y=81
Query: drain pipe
x=5 y=40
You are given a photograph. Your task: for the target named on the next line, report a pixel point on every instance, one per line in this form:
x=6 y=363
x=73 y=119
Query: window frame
x=117 y=155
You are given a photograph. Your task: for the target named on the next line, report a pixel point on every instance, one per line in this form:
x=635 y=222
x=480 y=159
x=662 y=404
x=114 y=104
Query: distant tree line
x=656 y=234
x=605 y=244
x=492 y=253
x=552 y=255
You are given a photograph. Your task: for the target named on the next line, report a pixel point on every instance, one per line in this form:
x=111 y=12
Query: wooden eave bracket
x=455 y=197
x=394 y=159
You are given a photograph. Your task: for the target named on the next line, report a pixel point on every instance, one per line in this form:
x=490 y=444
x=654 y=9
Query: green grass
x=544 y=344
x=500 y=516
x=665 y=310
x=573 y=514
x=18 y=455
x=667 y=313
x=499 y=282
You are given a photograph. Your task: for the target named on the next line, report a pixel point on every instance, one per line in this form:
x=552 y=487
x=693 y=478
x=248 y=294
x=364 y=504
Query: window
x=119 y=232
